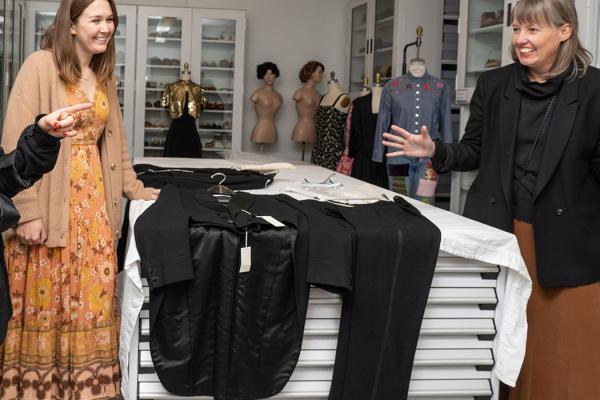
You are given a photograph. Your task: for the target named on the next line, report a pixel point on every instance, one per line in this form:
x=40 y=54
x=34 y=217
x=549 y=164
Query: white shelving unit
x=483 y=41
x=378 y=31
x=454 y=354
x=164 y=45
x=212 y=43
x=484 y=35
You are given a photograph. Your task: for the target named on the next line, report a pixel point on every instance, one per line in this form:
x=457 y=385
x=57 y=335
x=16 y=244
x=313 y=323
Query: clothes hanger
x=156 y=171
x=219 y=188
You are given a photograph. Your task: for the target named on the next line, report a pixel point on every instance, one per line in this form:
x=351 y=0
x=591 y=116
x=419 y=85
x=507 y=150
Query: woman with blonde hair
x=62 y=339
x=534 y=134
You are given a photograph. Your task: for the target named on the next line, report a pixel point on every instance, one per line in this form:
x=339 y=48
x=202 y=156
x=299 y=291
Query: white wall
x=588 y=13
x=288 y=33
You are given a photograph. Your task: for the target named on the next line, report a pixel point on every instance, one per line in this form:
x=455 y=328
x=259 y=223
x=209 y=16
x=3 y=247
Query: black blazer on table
x=566 y=214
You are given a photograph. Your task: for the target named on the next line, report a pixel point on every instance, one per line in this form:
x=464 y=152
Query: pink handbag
x=344 y=166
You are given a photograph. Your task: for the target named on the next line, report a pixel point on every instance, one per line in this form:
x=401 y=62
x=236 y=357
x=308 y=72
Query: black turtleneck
x=535 y=104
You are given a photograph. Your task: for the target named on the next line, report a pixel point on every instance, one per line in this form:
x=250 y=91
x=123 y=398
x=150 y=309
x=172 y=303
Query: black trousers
x=381 y=317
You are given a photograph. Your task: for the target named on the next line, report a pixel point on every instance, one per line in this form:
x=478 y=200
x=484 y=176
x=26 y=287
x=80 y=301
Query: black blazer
x=566 y=210
x=363 y=124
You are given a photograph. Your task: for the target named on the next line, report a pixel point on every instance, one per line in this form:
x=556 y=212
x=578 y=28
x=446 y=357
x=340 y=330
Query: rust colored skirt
x=562 y=358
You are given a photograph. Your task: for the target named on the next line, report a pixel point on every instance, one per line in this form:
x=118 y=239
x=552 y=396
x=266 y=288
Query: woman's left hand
x=60 y=123
x=407 y=144
x=150 y=193
x=155 y=193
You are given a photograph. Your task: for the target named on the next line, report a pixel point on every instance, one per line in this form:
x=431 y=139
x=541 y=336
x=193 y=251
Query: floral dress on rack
x=62 y=341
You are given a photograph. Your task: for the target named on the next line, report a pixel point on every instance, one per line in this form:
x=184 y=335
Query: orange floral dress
x=62 y=341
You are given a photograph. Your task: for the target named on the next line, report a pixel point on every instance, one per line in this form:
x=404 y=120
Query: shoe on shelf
x=492 y=63
x=488 y=18
x=500 y=16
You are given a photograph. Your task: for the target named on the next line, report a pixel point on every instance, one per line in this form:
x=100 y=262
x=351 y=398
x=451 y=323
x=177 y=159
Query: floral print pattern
x=62 y=341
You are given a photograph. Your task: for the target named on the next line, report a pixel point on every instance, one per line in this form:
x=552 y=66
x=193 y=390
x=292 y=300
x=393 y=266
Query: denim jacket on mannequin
x=410 y=103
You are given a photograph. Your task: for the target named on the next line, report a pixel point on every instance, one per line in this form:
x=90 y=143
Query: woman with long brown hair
x=62 y=338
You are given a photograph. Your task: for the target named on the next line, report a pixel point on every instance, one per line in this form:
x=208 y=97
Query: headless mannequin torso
x=267 y=102
x=185 y=74
x=376 y=101
x=365 y=90
x=377 y=89
x=307 y=101
x=185 y=100
x=334 y=91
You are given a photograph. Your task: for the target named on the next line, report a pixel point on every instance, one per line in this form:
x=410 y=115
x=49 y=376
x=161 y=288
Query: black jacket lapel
x=559 y=132
x=507 y=131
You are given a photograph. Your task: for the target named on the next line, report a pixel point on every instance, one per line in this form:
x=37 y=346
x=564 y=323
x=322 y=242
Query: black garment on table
x=189 y=178
x=242 y=337
x=35 y=154
x=362 y=132
x=200 y=268
x=381 y=318
x=535 y=104
x=331 y=141
x=200 y=178
x=183 y=139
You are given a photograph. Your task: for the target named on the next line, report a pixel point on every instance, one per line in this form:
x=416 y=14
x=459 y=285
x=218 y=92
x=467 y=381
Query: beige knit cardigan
x=39 y=90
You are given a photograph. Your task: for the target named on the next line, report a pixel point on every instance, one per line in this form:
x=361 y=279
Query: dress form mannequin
x=185 y=101
x=417 y=67
x=267 y=102
x=185 y=74
x=332 y=97
x=413 y=100
x=377 y=89
x=365 y=90
x=307 y=102
x=331 y=124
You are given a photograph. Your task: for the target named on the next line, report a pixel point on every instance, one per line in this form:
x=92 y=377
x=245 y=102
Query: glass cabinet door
x=43 y=19
x=358 y=47
x=484 y=38
x=217 y=66
x=161 y=42
x=11 y=48
x=383 y=45
x=124 y=69
x=40 y=15
x=120 y=61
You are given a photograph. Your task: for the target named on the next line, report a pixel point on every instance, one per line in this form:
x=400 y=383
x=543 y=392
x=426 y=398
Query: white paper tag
x=246 y=259
x=272 y=221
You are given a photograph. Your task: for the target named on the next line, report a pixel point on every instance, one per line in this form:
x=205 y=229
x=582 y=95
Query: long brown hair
x=556 y=13
x=59 y=40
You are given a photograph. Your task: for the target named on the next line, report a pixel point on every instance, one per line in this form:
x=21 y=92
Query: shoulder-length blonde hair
x=556 y=13
x=59 y=40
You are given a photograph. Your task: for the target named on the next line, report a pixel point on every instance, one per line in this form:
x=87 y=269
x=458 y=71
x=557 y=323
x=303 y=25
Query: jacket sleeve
x=446 y=115
x=384 y=121
x=35 y=154
x=595 y=162
x=465 y=155
x=162 y=240
x=24 y=103
x=355 y=131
